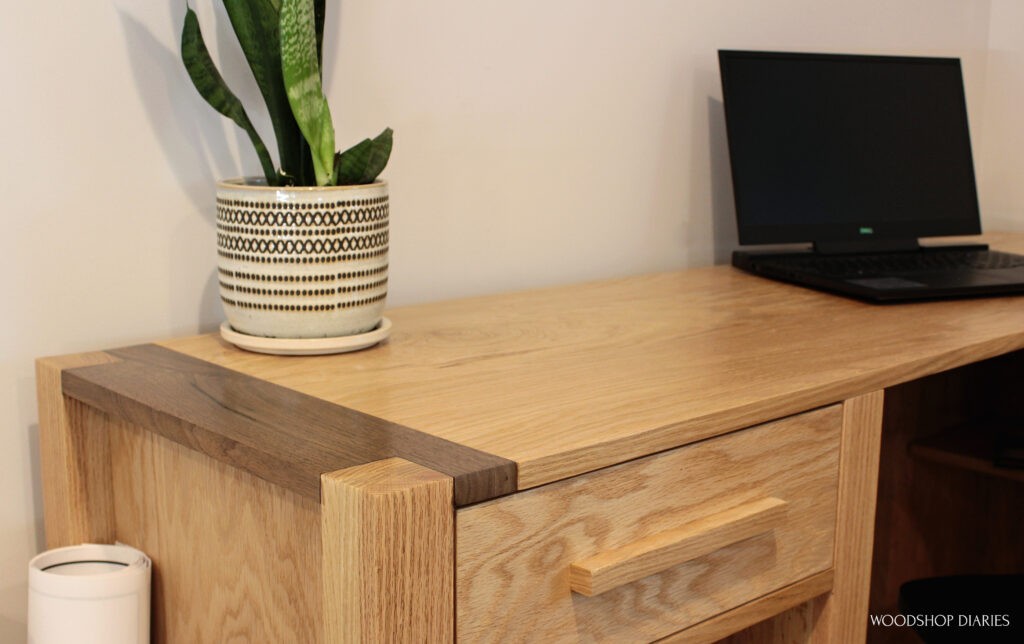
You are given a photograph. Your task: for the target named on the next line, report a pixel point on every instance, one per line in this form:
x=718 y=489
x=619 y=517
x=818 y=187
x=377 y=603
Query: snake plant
x=283 y=43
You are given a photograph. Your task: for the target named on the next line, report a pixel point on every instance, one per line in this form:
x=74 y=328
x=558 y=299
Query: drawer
x=641 y=550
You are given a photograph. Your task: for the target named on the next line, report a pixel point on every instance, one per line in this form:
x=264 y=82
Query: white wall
x=537 y=142
x=1001 y=135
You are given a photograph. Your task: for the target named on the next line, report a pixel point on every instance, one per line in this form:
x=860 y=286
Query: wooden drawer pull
x=659 y=552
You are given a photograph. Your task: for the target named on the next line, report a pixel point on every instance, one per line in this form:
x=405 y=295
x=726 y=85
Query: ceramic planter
x=302 y=262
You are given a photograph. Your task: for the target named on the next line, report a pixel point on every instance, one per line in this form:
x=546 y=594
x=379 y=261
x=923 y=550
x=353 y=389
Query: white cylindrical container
x=89 y=594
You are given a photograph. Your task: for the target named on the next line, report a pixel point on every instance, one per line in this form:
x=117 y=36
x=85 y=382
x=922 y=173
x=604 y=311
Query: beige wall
x=999 y=138
x=537 y=142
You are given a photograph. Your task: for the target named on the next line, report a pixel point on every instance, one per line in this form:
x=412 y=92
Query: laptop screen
x=828 y=147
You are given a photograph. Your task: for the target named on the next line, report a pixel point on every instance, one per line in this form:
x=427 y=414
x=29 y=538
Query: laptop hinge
x=866 y=246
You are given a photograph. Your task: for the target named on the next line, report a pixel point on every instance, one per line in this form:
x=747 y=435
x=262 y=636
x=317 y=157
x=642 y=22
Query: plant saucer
x=306 y=346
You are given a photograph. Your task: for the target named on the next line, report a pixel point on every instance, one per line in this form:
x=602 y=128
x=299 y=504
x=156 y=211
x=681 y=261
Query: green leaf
x=380 y=152
x=306 y=176
x=350 y=165
x=301 y=72
x=256 y=24
x=361 y=163
x=321 y=14
x=212 y=87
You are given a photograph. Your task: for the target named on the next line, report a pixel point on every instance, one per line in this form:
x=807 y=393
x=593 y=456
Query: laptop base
x=928 y=283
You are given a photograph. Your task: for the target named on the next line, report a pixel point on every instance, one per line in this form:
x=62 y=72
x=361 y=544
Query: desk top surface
x=566 y=380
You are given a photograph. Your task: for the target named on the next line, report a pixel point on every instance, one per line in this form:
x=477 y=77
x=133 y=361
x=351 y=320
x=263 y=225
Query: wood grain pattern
x=388 y=536
x=280 y=435
x=844 y=613
x=562 y=382
x=659 y=552
x=791 y=603
x=235 y=559
x=570 y=379
x=75 y=459
x=514 y=552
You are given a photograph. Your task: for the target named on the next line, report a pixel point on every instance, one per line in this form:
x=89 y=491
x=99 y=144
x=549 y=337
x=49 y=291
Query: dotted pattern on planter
x=320 y=277
x=300 y=292
x=304 y=308
x=300 y=232
x=260 y=259
x=328 y=205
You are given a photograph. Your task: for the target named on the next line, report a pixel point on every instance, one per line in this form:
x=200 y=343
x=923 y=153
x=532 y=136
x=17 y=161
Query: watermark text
x=940 y=620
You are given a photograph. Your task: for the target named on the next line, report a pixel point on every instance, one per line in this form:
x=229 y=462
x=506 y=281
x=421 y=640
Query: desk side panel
x=235 y=559
x=74 y=457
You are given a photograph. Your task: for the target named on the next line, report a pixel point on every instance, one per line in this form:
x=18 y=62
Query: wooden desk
x=692 y=452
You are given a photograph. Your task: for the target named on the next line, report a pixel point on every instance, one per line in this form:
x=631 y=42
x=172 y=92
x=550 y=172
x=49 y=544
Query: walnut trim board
x=273 y=432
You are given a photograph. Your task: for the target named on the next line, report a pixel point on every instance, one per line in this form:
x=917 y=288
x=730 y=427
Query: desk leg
x=74 y=451
x=844 y=612
x=388 y=554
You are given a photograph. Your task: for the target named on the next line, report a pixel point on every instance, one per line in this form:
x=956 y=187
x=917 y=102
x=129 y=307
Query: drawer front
x=641 y=550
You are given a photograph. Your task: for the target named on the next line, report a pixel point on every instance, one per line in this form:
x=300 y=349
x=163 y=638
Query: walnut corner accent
x=681 y=457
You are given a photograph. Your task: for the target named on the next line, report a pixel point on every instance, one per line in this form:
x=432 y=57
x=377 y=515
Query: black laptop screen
x=840 y=147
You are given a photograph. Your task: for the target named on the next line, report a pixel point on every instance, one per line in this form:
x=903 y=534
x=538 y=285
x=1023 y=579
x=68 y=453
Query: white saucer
x=306 y=346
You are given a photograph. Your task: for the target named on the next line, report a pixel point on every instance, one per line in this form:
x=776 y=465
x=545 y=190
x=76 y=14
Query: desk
x=682 y=455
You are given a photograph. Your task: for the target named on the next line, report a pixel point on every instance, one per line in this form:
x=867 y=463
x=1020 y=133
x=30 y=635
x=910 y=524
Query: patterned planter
x=302 y=262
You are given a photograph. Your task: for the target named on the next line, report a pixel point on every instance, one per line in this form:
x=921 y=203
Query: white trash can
x=89 y=594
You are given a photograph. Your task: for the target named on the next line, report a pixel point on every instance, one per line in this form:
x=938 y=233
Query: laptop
x=860 y=157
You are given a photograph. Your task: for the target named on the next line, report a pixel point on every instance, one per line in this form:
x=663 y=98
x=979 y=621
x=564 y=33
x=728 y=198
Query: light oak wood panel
x=840 y=615
x=791 y=606
x=844 y=612
x=659 y=552
x=75 y=459
x=387 y=560
x=235 y=559
x=514 y=553
x=570 y=379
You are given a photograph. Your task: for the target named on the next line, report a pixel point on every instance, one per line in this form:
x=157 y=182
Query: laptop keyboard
x=895 y=263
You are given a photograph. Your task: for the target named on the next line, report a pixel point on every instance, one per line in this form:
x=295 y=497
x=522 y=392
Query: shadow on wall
x=191 y=135
x=37 y=487
x=171 y=106
x=210 y=306
x=723 y=208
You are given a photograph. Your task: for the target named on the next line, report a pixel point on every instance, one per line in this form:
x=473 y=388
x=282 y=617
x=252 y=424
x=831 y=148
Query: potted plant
x=302 y=249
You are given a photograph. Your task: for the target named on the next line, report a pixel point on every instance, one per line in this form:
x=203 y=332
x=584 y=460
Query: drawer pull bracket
x=657 y=553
